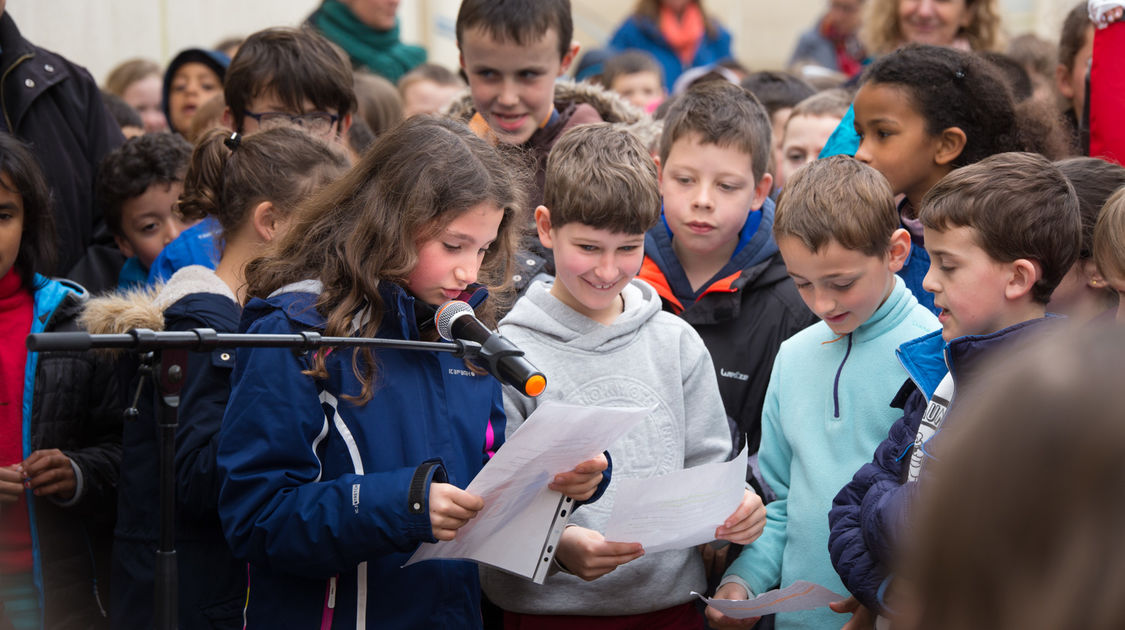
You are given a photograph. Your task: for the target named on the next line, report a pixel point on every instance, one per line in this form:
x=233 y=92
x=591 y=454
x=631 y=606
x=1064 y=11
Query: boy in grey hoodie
x=601 y=338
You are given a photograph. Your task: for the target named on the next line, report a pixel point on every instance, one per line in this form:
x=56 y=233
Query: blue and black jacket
x=327 y=498
x=870 y=512
x=71 y=403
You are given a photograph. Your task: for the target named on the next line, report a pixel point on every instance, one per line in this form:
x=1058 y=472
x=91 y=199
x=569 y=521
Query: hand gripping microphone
x=456 y=320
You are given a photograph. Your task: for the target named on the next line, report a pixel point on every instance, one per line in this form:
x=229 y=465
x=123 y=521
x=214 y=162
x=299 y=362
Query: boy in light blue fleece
x=827 y=405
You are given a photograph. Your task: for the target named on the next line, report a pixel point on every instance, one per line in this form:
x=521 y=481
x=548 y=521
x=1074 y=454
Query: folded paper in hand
x=679 y=509
x=519 y=527
x=799 y=595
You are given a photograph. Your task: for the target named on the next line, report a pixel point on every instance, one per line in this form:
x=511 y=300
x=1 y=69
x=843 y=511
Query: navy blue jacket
x=870 y=511
x=326 y=498
x=211 y=583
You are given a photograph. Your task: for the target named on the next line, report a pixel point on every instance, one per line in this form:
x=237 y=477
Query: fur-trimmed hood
x=610 y=106
x=144 y=307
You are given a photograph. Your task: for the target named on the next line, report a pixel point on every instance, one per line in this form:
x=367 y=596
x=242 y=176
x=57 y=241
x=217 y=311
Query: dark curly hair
x=22 y=176
x=950 y=88
x=128 y=171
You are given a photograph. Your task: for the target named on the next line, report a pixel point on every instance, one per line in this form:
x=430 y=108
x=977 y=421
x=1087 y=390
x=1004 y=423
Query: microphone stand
x=166 y=362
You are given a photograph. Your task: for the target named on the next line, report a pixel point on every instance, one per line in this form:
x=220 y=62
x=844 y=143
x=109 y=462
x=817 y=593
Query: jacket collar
x=50 y=294
x=744 y=266
x=14 y=45
x=39 y=71
x=298 y=302
x=897 y=307
x=928 y=358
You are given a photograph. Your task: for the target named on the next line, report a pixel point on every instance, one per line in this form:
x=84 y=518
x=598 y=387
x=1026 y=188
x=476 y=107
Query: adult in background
x=833 y=42
x=55 y=106
x=679 y=33
x=962 y=24
x=968 y=25
x=368 y=30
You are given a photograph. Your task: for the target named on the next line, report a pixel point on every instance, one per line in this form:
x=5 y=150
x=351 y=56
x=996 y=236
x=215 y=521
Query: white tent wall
x=101 y=33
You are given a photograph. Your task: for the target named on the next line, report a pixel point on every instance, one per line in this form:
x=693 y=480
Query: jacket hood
x=610 y=106
x=56 y=295
x=144 y=307
x=544 y=315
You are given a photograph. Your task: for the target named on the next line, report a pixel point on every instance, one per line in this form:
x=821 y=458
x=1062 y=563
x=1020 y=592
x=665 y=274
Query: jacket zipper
x=836 y=382
x=329 y=605
x=4 y=79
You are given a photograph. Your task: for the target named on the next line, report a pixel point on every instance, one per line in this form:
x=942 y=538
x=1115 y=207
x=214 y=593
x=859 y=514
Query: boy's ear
x=124 y=246
x=950 y=144
x=1024 y=274
x=569 y=57
x=659 y=170
x=266 y=220
x=344 y=125
x=761 y=191
x=899 y=250
x=543 y=226
x=1062 y=81
x=228 y=119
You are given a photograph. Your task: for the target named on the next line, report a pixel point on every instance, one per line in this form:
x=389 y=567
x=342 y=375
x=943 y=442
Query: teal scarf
x=378 y=51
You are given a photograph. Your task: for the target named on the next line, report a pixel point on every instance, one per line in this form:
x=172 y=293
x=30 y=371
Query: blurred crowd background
x=101 y=33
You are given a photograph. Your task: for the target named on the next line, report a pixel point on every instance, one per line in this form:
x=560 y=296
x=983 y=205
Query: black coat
x=75 y=409
x=56 y=107
x=742 y=316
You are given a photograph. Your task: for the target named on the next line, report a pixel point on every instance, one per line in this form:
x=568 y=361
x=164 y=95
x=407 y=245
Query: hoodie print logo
x=738 y=376
x=355 y=497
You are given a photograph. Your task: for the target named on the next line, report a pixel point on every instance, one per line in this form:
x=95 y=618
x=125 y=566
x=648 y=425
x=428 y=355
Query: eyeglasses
x=318 y=123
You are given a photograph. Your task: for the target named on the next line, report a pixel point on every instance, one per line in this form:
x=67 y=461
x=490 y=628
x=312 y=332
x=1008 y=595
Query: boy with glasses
x=279 y=77
x=289 y=77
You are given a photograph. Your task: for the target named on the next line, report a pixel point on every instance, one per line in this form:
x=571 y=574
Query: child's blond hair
x=1109 y=236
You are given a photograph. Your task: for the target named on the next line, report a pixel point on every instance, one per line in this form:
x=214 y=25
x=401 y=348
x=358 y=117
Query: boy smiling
x=602 y=339
x=512 y=52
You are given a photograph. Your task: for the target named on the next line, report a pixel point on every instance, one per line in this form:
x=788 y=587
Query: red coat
x=1107 y=94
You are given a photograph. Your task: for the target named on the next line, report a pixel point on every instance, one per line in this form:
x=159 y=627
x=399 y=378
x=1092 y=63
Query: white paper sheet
x=799 y=595
x=521 y=520
x=677 y=510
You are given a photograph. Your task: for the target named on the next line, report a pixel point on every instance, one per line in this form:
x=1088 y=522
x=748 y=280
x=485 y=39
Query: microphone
x=456 y=320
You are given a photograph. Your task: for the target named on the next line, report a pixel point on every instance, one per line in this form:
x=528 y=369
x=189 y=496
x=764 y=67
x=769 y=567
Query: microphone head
x=447 y=313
